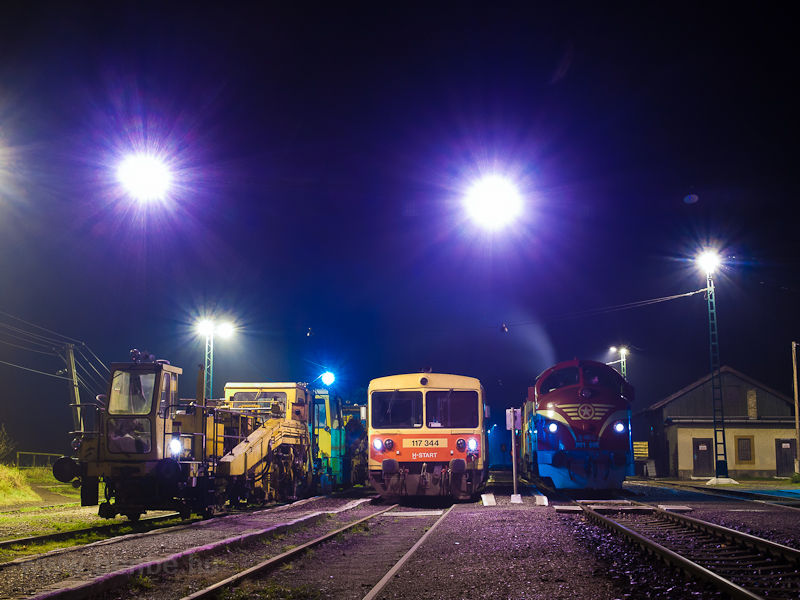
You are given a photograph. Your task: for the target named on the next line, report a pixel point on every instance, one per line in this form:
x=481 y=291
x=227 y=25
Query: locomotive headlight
x=472 y=444
x=175 y=446
x=552 y=428
x=378 y=445
x=461 y=445
x=619 y=426
x=388 y=444
x=585 y=393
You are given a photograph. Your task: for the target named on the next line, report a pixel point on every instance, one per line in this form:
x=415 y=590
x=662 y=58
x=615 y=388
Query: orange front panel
x=422 y=446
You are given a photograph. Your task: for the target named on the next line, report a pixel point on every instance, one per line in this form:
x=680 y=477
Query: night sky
x=321 y=155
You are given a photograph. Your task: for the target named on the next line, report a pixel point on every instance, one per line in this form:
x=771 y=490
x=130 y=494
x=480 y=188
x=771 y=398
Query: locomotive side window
x=558 y=379
x=129 y=436
x=600 y=376
x=131 y=393
x=451 y=408
x=400 y=408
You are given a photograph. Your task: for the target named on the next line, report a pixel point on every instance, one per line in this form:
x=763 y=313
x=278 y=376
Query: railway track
x=341 y=562
x=144 y=524
x=740 y=565
x=181 y=559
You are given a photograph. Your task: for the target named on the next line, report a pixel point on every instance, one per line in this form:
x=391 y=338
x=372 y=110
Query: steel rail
x=743 y=495
x=688 y=566
x=65 y=535
x=234 y=580
x=390 y=575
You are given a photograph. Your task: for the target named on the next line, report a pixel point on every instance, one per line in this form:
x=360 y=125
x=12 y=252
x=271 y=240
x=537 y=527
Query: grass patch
x=14 y=488
x=141 y=583
x=40 y=475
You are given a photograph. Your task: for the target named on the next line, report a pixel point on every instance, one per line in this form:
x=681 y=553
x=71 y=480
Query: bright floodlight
x=225 y=330
x=623 y=351
x=145 y=177
x=493 y=202
x=328 y=378
x=205 y=328
x=613 y=349
x=708 y=261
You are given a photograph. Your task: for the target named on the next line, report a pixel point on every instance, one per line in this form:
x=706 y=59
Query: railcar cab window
x=132 y=393
x=400 y=408
x=558 y=379
x=271 y=404
x=450 y=408
x=601 y=377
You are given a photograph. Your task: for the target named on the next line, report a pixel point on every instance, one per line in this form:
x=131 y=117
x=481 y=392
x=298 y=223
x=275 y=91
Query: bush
x=795 y=477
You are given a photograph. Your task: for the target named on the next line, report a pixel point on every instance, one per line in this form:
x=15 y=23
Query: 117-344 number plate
x=425 y=443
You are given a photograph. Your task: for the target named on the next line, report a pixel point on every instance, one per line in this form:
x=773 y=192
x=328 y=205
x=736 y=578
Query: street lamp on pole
x=623 y=353
x=210 y=329
x=145 y=177
x=709 y=261
x=493 y=202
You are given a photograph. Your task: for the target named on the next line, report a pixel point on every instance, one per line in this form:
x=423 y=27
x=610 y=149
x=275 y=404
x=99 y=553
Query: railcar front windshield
x=132 y=393
x=396 y=409
x=450 y=408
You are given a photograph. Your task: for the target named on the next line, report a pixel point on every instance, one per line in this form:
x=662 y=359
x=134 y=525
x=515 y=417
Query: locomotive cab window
x=558 y=379
x=132 y=393
x=449 y=408
x=400 y=408
x=601 y=377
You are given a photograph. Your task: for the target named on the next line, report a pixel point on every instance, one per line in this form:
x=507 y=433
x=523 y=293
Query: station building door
x=784 y=458
x=703 y=450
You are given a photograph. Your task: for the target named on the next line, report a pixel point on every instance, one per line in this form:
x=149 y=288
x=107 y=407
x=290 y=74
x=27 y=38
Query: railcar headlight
x=553 y=427
x=175 y=446
x=585 y=393
x=388 y=444
x=619 y=426
x=472 y=444
x=377 y=444
x=461 y=445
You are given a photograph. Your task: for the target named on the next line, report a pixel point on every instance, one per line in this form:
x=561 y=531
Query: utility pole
x=77 y=417
x=796 y=412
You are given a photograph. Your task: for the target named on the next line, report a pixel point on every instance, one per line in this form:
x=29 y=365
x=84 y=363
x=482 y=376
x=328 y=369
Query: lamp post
x=623 y=353
x=209 y=329
x=708 y=262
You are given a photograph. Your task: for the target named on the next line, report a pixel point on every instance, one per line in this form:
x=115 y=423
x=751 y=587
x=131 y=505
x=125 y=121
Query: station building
x=675 y=436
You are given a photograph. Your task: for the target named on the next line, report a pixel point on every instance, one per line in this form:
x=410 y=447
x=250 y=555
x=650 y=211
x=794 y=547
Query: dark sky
x=321 y=155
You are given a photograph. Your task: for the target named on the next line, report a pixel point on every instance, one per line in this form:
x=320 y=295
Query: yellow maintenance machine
x=154 y=451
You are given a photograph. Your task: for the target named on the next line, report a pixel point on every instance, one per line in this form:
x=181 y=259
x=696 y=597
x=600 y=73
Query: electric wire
x=89 y=362
x=95 y=357
x=42 y=328
x=34 y=370
x=30 y=341
x=29 y=349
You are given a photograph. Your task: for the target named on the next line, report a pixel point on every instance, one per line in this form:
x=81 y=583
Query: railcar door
x=703 y=450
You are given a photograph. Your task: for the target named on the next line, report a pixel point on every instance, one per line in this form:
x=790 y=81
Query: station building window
x=745 y=449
